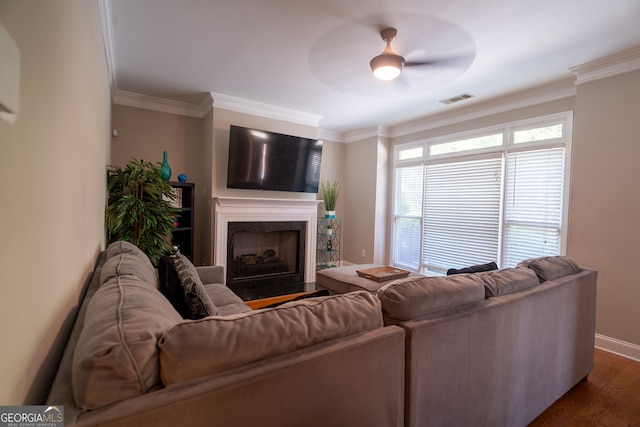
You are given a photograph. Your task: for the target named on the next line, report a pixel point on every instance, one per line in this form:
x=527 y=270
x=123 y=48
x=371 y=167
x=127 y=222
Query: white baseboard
x=621 y=348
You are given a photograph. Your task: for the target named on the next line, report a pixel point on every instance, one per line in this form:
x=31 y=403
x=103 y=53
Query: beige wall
x=52 y=166
x=145 y=134
x=208 y=179
x=604 y=222
x=361 y=176
x=333 y=169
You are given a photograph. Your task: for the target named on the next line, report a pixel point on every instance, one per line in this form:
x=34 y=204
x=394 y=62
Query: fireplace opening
x=265 y=258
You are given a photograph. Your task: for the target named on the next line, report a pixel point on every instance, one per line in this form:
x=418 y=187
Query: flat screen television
x=261 y=160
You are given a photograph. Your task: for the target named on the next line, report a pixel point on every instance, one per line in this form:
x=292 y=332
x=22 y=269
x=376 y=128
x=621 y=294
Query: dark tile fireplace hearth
x=265 y=259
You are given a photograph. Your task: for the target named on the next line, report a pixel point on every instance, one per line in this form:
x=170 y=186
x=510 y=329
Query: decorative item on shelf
x=330 y=193
x=139 y=208
x=176 y=200
x=328 y=242
x=182 y=178
x=165 y=170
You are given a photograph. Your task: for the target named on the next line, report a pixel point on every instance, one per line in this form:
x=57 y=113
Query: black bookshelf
x=184 y=222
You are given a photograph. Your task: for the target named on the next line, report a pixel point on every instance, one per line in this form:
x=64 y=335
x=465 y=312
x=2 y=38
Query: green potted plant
x=139 y=208
x=330 y=194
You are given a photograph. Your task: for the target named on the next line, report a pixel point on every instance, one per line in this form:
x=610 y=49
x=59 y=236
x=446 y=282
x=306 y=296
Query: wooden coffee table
x=282 y=294
x=264 y=302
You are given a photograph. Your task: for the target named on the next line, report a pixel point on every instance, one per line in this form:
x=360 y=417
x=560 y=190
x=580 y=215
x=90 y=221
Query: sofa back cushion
x=551 y=267
x=507 y=281
x=116 y=357
x=124 y=258
x=208 y=346
x=409 y=298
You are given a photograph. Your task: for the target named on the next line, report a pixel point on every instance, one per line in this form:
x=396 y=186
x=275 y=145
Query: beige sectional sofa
x=488 y=349
x=133 y=360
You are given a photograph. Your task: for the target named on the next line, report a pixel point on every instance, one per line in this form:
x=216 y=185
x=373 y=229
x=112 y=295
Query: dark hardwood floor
x=609 y=397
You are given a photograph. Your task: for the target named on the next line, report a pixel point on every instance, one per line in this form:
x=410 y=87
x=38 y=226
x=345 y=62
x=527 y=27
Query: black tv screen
x=261 y=160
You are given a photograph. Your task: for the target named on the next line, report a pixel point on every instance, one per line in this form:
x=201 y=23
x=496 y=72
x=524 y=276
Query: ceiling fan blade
x=454 y=61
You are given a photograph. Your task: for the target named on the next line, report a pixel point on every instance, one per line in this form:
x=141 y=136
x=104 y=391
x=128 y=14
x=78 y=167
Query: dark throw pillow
x=473 y=269
x=180 y=283
x=169 y=285
x=195 y=296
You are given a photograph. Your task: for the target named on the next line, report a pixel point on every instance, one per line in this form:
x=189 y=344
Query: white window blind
x=461 y=213
x=408 y=216
x=533 y=204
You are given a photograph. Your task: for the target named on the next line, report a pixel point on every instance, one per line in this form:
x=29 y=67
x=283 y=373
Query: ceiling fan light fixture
x=387 y=66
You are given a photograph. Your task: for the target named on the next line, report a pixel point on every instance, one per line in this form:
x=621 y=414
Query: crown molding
x=330 y=135
x=206 y=105
x=609 y=66
x=163 y=105
x=372 y=132
x=480 y=110
x=231 y=103
x=104 y=7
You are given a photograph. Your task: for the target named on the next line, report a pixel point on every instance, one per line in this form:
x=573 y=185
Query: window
x=408 y=219
x=533 y=204
x=496 y=195
x=494 y=140
x=461 y=213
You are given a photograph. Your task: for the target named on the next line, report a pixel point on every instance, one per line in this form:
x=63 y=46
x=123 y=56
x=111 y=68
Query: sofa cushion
x=116 y=357
x=195 y=295
x=409 y=298
x=210 y=274
x=552 y=267
x=208 y=346
x=473 y=269
x=124 y=258
x=507 y=281
x=225 y=300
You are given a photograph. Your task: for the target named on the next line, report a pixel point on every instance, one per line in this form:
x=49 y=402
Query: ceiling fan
x=388 y=65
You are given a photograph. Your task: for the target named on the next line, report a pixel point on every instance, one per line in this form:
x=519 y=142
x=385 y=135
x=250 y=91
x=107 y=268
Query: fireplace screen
x=264 y=255
x=259 y=254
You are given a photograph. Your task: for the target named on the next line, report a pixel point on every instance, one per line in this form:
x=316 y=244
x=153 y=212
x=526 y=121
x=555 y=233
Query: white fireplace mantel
x=238 y=209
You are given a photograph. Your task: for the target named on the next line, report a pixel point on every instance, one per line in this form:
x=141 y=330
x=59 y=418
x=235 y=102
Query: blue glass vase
x=165 y=170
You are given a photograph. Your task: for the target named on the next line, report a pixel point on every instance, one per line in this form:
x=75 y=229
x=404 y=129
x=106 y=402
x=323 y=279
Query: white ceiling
x=312 y=56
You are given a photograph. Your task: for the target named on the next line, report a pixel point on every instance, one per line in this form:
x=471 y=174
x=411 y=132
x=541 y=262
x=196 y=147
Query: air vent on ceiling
x=456 y=98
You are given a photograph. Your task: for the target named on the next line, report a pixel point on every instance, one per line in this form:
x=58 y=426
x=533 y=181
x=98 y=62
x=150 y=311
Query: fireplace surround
x=258 y=216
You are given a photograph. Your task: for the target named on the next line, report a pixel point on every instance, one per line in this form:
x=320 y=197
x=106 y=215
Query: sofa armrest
x=211 y=274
